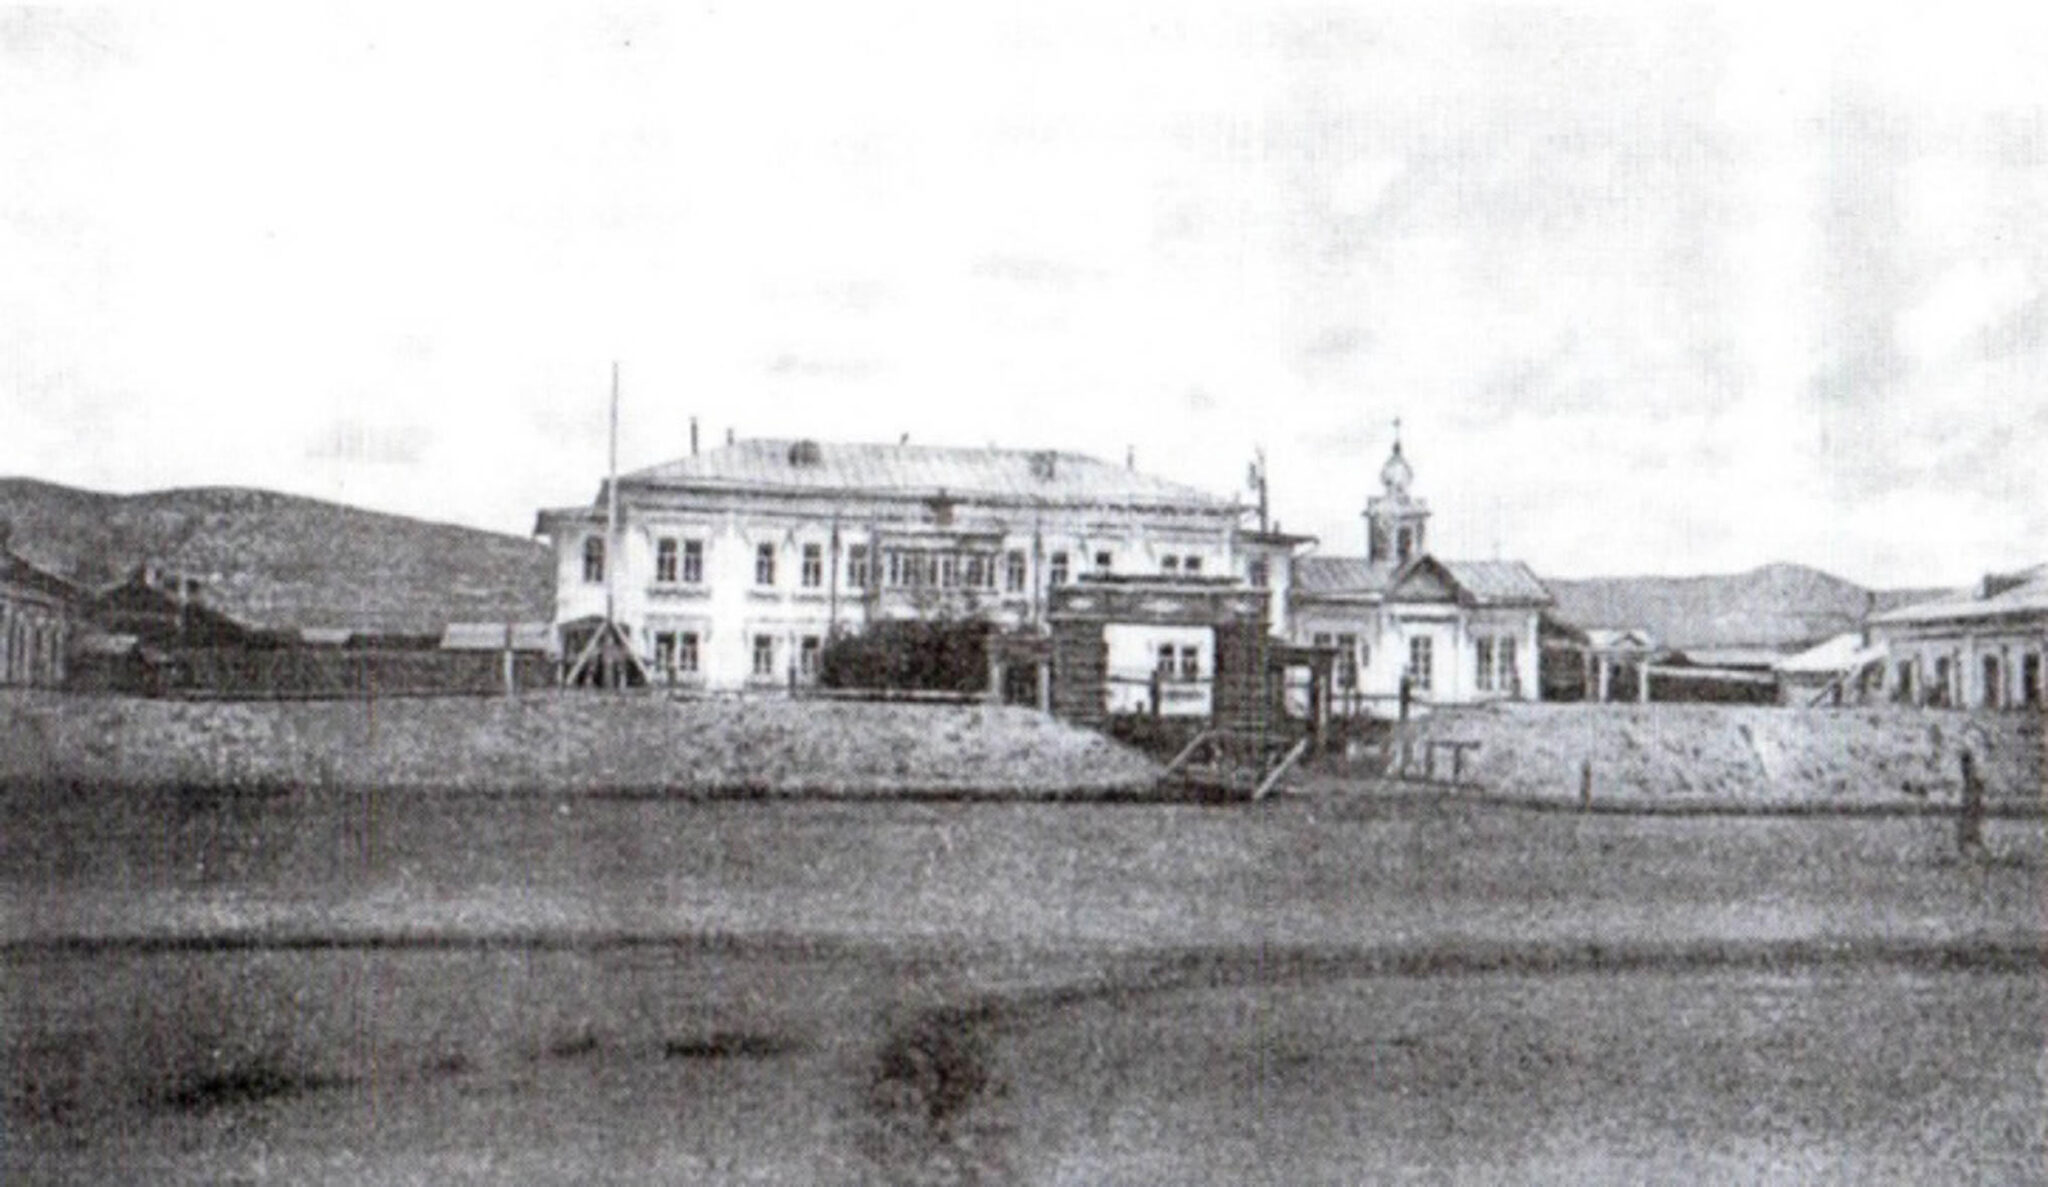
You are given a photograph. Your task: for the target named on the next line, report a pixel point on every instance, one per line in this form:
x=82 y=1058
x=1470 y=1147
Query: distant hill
x=282 y=561
x=1774 y=607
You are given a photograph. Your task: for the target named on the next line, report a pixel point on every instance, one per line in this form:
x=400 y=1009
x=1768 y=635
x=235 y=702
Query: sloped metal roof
x=1342 y=575
x=1498 y=581
x=1483 y=582
x=1013 y=475
x=2029 y=596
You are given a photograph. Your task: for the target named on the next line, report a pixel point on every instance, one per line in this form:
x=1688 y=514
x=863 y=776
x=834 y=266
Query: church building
x=1458 y=632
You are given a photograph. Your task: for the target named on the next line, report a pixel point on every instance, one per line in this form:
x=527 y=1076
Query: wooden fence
x=299 y=673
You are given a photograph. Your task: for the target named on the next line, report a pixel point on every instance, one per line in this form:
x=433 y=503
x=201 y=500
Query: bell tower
x=1395 y=521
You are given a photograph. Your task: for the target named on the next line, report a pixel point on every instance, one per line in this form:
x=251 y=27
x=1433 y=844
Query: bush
x=930 y=655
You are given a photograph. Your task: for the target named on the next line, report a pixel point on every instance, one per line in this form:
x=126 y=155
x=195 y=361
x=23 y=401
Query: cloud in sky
x=1666 y=291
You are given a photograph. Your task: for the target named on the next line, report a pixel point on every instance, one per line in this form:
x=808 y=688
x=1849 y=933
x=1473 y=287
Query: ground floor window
x=807 y=657
x=764 y=656
x=1421 y=661
x=675 y=652
x=1190 y=663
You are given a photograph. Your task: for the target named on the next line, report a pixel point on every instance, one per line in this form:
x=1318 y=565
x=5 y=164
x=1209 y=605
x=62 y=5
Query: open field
x=557 y=742
x=398 y=988
x=1741 y=754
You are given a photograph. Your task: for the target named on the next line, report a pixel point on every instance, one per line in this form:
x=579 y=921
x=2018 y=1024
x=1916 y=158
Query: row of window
x=680 y=653
x=1494 y=657
x=681 y=562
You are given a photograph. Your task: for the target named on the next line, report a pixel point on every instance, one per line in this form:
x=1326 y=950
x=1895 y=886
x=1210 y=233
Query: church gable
x=1424 y=580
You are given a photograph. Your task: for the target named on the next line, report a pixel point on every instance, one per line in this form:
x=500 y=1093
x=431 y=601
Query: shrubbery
x=929 y=655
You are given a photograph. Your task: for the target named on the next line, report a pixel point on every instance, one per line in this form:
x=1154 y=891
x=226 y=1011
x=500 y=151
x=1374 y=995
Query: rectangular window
x=813 y=574
x=857 y=566
x=1164 y=666
x=764 y=564
x=1347 y=662
x=1169 y=564
x=1057 y=570
x=1482 y=648
x=686 y=652
x=693 y=562
x=807 y=657
x=665 y=560
x=665 y=651
x=949 y=570
x=1013 y=572
x=1507 y=676
x=764 y=656
x=1190 y=663
x=1192 y=566
x=1102 y=561
x=1421 y=657
x=977 y=571
x=1260 y=574
x=593 y=560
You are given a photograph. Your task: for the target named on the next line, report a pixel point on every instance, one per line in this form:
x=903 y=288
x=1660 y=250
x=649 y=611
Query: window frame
x=811 y=567
x=667 y=560
x=764 y=565
x=692 y=571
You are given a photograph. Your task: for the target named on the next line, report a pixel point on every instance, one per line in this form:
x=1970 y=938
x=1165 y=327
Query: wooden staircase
x=1234 y=764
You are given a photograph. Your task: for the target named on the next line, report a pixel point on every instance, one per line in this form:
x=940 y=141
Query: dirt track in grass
x=356 y=987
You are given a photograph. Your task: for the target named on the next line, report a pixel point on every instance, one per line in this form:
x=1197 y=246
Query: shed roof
x=1845 y=652
x=490 y=636
x=1018 y=475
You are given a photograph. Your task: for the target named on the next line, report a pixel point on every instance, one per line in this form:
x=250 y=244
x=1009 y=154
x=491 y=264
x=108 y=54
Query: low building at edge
x=1982 y=648
x=731 y=569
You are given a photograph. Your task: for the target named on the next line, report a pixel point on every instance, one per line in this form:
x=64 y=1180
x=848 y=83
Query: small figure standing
x=1970 y=821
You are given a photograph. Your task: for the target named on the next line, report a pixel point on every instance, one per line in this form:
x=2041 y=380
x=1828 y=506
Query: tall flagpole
x=611 y=511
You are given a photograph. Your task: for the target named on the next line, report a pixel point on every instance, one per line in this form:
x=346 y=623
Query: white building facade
x=1985 y=648
x=731 y=569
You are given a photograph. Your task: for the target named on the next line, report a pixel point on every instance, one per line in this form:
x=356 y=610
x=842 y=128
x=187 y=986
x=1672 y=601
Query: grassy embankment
x=552 y=742
x=1744 y=755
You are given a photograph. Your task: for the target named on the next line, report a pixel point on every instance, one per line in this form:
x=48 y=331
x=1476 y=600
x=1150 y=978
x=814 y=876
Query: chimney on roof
x=693 y=436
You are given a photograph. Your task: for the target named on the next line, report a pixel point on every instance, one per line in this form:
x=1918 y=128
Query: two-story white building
x=732 y=568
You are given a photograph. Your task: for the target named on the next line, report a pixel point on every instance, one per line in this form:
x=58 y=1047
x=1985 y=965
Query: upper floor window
x=1192 y=566
x=764 y=564
x=1102 y=562
x=593 y=560
x=665 y=559
x=693 y=562
x=1482 y=650
x=949 y=570
x=1013 y=572
x=1347 y=662
x=1259 y=573
x=1190 y=663
x=1056 y=573
x=977 y=571
x=1169 y=564
x=813 y=566
x=857 y=574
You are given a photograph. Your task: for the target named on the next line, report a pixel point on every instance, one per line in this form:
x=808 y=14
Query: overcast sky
x=1673 y=291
